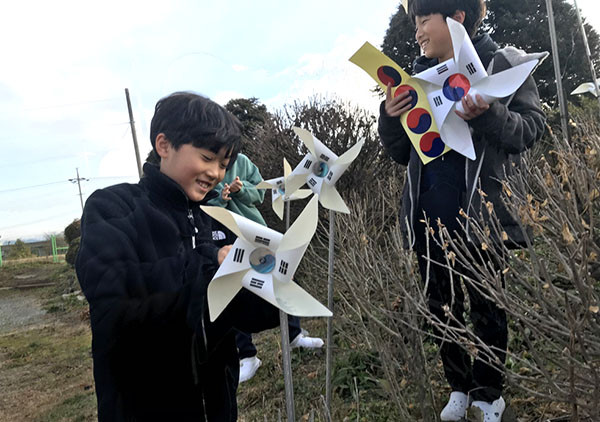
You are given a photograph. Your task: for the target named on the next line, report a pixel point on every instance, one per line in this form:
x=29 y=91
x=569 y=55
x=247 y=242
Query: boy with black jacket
x=145 y=260
x=500 y=131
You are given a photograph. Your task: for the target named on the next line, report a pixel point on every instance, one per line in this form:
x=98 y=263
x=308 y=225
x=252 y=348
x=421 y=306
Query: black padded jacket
x=145 y=260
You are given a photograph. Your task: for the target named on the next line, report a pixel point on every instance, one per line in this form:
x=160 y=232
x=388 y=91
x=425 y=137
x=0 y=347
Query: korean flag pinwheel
x=448 y=82
x=320 y=169
x=278 y=192
x=264 y=261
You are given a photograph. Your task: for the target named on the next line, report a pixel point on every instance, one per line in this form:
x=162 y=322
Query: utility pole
x=133 y=134
x=587 y=52
x=78 y=180
x=559 y=88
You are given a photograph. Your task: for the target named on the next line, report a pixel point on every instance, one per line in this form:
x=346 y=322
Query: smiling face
x=196 y=170
x=433 y=36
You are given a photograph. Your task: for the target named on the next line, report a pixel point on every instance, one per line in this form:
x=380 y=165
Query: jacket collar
x=163 y=188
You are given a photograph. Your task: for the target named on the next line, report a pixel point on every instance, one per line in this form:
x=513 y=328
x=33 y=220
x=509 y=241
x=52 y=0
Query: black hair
x=189 y=118
x=474 y=11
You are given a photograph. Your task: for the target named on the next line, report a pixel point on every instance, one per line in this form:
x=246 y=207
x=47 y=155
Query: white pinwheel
x=264 y=261
x=448 y=82
x=586 y=87
x=278 y=191
x=320 y=169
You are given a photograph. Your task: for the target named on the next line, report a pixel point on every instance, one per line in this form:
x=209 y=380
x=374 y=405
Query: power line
x=31 y=187
x=65 y=181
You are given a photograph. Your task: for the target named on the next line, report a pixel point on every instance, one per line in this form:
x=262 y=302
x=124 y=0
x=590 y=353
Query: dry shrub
x=551 y=293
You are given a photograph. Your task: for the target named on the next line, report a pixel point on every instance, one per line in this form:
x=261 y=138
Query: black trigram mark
x=471 y=69
x=307 y=164
x=262 y=240
x=312 y=182
x=279 y=182
x=274 y=191
x=255 y=282
x=330 y=175
x=324 y=157
x=437 y=101
x=238 y=255
x=443 y=68
x=283 y=267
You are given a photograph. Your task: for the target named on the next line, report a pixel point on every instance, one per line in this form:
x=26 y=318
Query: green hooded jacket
x=245 y=200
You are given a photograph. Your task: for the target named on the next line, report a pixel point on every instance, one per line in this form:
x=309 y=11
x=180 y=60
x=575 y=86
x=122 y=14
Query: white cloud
x=223 y=97
x=239 y=67
x=331 y=75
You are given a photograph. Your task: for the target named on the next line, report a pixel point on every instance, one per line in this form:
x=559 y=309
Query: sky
x=66 y=65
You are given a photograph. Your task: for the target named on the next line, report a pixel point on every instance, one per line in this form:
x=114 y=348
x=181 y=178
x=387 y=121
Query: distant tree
x=399 y=43
x=251 y=113
x=73 y=230
x=72 y=236
x=20 y=250
x=256 y=122
x=523 y=24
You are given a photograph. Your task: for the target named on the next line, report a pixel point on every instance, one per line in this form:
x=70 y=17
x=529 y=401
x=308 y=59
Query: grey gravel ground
x=19 y=308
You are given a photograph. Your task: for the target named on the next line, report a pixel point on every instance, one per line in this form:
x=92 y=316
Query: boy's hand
x=225 y=193
x=222 y=254
x=395 y=106
x=472 y=108
x=236 y=186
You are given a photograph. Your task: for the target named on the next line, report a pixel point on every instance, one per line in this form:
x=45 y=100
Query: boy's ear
x=459 y=16
x=162 y=145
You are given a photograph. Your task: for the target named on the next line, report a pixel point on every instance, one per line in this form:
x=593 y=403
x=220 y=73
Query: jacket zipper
x=194 y=358
x=192 y=222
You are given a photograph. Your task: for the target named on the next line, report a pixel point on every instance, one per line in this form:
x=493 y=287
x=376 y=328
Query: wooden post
x=133 y=134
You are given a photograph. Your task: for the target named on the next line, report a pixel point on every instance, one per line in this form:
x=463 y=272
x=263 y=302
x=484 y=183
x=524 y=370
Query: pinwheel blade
x=585 y=87
x=437 y=75
x=278 y=206
x=301 y=194
x=456 y=134
x=224 y=217
x=221 y=291
x=295 y=181
x=503 y=84
x=287 y=169
x=346 y=158
x=303 y=228
x=440 y=106
x=250 y=231
x=264 y=185
x=307 y=138
x=294 y=300
x=331 y=199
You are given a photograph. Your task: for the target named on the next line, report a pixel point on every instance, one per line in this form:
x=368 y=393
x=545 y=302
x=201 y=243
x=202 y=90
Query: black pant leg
x=456 y=360
x=491 y=327
x=294 y=325
x=243 y=341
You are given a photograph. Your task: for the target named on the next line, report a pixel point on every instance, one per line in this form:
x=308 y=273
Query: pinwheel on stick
x=320 y=169
x=264 y=261
x=278 y=190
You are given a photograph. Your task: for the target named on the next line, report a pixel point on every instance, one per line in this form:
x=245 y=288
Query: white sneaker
x=456 y=408
x=306 y=342
x=492 y=412
x=248 y=367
